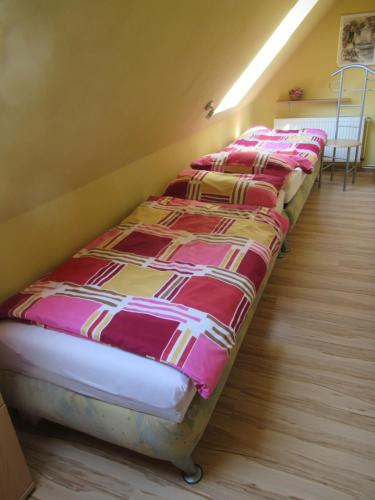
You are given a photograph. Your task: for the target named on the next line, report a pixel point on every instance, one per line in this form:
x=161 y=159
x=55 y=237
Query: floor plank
x=297 y=416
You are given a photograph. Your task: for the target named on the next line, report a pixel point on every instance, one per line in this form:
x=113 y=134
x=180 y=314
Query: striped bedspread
x=267 y=151
x=172 y=282
x=257 y=190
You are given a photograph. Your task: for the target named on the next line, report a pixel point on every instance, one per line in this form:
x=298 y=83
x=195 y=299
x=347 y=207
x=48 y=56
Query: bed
x=294 y=155
x=154 y=399
x=152 y=402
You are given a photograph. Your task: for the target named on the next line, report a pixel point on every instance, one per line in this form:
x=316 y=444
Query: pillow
x=216 y=187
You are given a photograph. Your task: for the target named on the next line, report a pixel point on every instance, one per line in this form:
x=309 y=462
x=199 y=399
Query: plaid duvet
x=216 y=187
x=267 y=151
x=172 y=282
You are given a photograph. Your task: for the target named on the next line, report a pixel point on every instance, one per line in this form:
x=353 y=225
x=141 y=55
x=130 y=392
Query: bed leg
x=284 y=249
x=192 y=473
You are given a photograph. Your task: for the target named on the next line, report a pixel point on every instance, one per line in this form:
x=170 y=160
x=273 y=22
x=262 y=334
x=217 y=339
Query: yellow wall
x=87 y=86
x=34 y=242
x=309 y=68
x=101 y=103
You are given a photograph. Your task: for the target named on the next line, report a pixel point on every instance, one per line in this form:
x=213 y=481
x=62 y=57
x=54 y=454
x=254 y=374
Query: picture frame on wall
x=357 y=39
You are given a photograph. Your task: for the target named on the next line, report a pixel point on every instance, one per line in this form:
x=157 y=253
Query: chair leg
x=346 y=169
x=354 y=172
x=333 y=164
x=355 y=165
x=320 y=171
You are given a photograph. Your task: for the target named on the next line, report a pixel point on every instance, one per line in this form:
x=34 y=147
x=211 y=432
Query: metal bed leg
x=346 y=169
x=192 y=473
x=283 y=250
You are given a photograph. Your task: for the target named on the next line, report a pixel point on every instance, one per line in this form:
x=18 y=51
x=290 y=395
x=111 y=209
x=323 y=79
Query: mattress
x=292 y=183
x=96 y=370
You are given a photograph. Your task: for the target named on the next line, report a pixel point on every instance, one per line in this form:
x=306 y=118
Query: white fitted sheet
x=292 y=183
x=96 y=370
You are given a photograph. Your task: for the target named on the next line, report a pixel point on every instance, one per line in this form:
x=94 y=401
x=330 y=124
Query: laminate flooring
x=297 y=417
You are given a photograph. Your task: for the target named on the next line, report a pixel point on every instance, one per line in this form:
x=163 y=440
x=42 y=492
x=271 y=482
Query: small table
x=15 y=479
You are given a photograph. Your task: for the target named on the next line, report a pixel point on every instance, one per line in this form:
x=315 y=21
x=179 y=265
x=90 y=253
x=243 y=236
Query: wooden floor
x=297 y=416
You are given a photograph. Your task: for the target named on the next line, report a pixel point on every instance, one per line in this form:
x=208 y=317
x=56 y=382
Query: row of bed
x=132 y=339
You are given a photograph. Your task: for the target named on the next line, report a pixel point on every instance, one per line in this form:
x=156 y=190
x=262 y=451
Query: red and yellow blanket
x=172 y=282
x=257 y=190
x=267 y=151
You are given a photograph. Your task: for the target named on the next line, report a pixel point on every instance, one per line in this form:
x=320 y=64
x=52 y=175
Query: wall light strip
x=266 y=54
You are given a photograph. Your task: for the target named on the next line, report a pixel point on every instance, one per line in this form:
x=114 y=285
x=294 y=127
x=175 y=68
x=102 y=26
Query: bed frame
x=294 y=208
x=146 y=434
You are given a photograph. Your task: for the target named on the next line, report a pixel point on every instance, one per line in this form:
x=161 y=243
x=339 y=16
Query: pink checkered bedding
x=172 y=282
x=267 y=151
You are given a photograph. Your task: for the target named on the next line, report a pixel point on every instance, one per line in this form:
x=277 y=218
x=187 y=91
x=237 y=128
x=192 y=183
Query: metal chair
x=348 y=144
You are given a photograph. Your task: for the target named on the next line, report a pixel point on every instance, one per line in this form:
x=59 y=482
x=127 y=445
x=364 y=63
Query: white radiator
x=349 y=130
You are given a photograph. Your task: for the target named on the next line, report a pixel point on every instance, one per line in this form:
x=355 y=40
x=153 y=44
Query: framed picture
x=357 y=39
